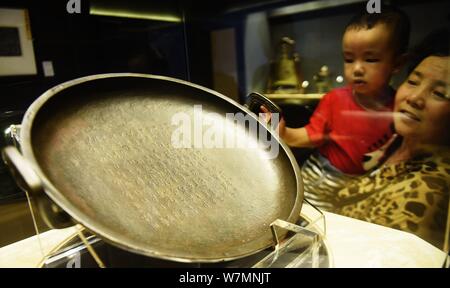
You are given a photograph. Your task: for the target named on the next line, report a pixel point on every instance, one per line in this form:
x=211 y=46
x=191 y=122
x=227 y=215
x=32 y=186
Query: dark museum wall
x=80 y=45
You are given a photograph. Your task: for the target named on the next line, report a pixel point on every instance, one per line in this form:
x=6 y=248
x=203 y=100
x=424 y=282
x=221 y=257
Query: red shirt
x=345 y=131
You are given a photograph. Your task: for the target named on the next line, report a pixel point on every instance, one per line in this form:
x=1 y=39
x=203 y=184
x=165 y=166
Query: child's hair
x=395 y=19
x=435 y=43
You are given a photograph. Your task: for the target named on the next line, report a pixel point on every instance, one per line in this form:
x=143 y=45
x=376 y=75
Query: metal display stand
x=303 y=249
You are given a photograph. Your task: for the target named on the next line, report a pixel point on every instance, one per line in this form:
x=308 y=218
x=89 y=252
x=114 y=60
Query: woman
x=410 y=191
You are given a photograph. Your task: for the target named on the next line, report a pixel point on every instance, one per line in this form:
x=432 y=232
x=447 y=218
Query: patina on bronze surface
x=102 y=147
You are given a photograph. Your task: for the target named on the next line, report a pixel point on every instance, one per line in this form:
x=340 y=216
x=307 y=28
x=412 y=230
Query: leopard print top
x=412 y=196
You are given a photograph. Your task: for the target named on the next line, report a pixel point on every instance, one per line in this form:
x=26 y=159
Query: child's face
x=369 y=60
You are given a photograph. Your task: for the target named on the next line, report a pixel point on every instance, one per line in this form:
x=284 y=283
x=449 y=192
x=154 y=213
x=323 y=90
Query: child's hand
x=281 y=128
x=266 y=113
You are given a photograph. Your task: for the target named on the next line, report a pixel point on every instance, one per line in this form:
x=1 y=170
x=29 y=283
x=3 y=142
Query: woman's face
x=422 y=103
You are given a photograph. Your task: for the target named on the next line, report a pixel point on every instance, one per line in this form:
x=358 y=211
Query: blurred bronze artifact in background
x=285 y=73
x=322 y=80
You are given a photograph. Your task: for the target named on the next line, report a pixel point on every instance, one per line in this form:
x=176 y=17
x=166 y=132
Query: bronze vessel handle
x=256 y=100
x=21 y=170
x=27 y=179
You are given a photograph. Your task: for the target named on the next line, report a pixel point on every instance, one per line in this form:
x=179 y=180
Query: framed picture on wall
x=16 y=43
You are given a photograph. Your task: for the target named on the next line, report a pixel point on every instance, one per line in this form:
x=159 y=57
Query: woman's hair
x=434 y=44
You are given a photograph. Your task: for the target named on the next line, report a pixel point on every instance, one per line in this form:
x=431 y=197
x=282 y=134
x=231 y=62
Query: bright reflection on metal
x=7 y=131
